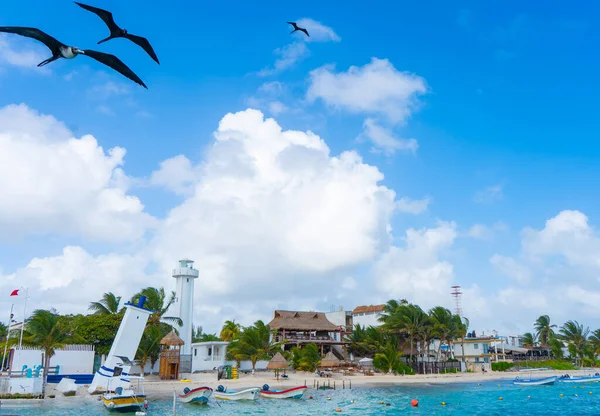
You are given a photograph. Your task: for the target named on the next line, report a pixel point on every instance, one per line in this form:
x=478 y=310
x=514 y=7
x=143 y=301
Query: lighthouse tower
x=185 y=275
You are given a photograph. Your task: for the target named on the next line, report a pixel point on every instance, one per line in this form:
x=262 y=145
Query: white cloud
x=277 y=107
x=11 y=53
x=51 y=181
x=375 y=88
x=412 y=206
x=296 y=51
x=489 y=195
x=415 y=271
x=176 y=174
x=318 y=32
x=384 y=139
x=511 y=268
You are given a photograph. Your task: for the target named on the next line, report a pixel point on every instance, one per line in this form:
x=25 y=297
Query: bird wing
x=144 y=44
x=36 y=34
x=103 y=14
x=115 y=63
x=305 y=31
x=293 y=24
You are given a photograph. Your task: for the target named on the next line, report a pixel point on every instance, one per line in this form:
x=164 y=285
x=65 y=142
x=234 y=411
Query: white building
x=367 y=315
x=71 y=359
x=185 y=275
x=207 y=356
x=342 y=319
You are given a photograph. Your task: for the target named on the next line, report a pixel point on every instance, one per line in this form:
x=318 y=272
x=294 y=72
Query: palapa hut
x=169 y=356
x=277 y=363
x=301 y=328
x=330 y=360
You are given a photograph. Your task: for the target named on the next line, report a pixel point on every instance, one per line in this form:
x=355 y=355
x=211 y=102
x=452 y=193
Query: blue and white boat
x=581 y=379
x=535 y=381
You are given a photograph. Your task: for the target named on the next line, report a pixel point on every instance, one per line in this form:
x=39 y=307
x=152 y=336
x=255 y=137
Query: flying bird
x=60 y=50
x=117 y=32
x=298 y=28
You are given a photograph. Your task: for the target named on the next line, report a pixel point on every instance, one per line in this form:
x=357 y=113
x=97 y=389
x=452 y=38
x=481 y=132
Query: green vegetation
x=306 y=358
x=553 y=364
x=253 y=343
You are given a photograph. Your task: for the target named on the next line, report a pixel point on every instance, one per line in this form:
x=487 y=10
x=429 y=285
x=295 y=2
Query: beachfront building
x=342 y=319
x=367 y=315
x=477 y=352
x=210 y=355
x=297 y=328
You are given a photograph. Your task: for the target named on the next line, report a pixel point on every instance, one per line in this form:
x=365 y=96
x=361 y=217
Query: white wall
x=366 y=319
x=21 y=385
x=73 y=359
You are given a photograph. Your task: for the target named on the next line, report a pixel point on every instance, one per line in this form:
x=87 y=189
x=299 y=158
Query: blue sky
x=506 y=130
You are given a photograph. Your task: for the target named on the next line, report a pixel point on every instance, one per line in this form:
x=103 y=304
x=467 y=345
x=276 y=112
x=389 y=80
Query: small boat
x=125 y=400
x=293 y=393
x=581 y=379
x=535 y=381
x=222 y=393
x=197 y=395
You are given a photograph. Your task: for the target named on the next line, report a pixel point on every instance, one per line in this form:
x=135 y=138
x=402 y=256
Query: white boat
x=535 y=381
x=222 y=393
x=292 y=393
x=581 y=379
x=198 y=395
x=126 y=400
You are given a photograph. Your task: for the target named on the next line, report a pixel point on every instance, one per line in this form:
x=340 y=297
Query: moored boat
x=535 y=381
x=126 y=400
x=581 y=379
x=198 y=395
x=292 y=393
x=222 y=393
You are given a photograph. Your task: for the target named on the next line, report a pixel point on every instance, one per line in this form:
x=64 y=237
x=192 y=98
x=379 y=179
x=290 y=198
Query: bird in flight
x=60 y=50
x=117 y=32
x=298 y=28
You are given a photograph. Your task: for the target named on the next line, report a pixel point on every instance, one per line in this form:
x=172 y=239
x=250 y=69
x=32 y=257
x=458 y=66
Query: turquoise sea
x=460 y=399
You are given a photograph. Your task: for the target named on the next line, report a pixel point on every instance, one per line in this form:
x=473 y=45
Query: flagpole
x=23 y=324
x=7 y=334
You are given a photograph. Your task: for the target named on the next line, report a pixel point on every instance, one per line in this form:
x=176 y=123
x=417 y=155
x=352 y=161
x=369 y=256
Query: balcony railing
x=212 y=358
x=287 y=337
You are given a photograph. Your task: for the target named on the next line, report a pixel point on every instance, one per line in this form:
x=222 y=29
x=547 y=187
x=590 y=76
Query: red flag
x=15 y=292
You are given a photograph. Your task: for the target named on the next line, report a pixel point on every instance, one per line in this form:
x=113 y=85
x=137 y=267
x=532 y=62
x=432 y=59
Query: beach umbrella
x=330 y=360
x=277 y=362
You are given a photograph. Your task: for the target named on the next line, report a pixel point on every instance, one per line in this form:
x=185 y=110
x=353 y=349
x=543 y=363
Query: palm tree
x=544 y=330
x=389 y=358
x=408 y=320
x=156 y=300
x=149 y=347
x=43 y=329
x=594 y=341
x=442 y=326
x=575 y=335
x=529 y=340
x=460 y=326
x=231 y=330
x=108 y=305
x=254 y=344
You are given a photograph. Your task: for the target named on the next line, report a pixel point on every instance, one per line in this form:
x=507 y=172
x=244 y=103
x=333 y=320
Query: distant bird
x=298 y=28
x=117 y=32
x=126 y=360
x=60 y=50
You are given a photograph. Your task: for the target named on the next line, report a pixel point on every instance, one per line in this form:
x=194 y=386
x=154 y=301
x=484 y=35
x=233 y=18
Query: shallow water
x=460 y=399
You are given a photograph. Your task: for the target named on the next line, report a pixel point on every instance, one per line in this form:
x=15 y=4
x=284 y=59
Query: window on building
x=209 y=351
x=476 y=346
x=195 y=352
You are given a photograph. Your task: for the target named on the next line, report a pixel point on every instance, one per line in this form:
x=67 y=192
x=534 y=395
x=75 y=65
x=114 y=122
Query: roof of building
x=306 y=321
x=330 y=360
x=278 y=361
x=172 y=339
x=366 y=309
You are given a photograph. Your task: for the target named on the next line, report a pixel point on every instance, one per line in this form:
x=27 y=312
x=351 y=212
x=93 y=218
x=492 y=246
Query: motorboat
x=222 y=393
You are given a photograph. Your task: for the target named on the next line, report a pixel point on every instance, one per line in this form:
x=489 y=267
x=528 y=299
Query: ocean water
x=460 y=399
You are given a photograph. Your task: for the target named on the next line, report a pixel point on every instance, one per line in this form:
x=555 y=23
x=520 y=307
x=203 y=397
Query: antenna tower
x=457 y=295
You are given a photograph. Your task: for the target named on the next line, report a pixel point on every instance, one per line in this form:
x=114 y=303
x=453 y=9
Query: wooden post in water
x=343 y=384
x=350 y=381
x=334 y=384
x=174 y=404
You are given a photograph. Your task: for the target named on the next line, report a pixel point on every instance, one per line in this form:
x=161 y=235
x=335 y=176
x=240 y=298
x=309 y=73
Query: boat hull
x=198 y=395
x=590 y=379
x=246 y=394
x=116 y=403
x=535 y=382
x=293 y=393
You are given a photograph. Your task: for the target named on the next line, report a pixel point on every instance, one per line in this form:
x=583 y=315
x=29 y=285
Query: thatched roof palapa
x=277 y=362
x=172 y=339
x=368 y=309
x=303 y=321
x=330 y=360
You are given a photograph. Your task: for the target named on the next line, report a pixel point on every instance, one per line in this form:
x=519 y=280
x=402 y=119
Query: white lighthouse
x=185 y=275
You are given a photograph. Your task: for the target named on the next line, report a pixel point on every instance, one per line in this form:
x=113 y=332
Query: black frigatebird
x=117 y=32
x=298 y=28
x=60 y=50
